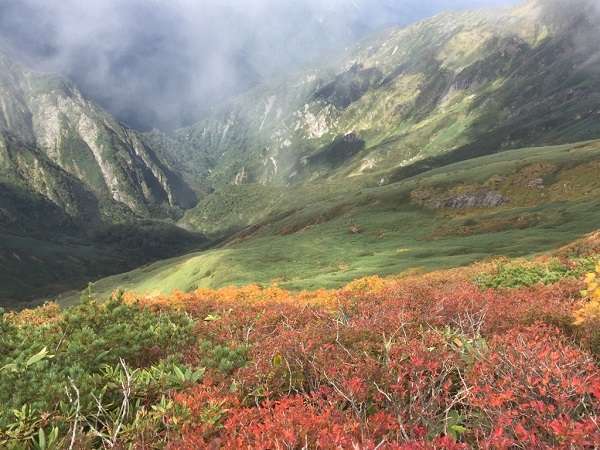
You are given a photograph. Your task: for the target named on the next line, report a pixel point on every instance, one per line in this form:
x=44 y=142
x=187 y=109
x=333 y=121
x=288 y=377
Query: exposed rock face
x=60 y=129
x=480 y=199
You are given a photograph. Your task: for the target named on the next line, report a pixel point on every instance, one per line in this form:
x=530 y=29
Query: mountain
x=448 y=141
x=51 y=136
x=378 y=162
x=77 y=189
x=138 y=64
x=465 y=84
x=315 y=314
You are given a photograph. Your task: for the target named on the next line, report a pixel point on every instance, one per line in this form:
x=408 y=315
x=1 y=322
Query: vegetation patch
x=415 y=361
x=509 y=274
x=106 y=368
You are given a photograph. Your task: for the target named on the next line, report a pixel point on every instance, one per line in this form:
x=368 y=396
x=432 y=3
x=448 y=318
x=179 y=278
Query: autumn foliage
x=424 y=361
x=428 y=361
x=587 y=318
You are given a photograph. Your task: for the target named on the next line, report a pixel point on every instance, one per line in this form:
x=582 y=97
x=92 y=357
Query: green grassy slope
x=354 y=231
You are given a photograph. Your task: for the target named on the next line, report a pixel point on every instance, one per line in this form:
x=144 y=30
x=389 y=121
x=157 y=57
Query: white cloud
x=162 y=61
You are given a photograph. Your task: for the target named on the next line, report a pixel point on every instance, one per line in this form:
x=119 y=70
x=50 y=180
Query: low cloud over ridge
x=160 y=63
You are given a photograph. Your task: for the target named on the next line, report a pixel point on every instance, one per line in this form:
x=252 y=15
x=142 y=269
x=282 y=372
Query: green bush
x=222 y=358
x=86 y=352
x=513 y=275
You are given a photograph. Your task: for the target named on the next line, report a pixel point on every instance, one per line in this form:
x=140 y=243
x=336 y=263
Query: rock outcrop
x=479 y=199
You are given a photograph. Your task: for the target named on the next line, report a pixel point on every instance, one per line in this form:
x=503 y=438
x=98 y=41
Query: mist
x=163 y=63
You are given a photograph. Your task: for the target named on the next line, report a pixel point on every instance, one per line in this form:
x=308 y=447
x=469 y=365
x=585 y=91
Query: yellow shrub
x=590 y=312
x=371 y=284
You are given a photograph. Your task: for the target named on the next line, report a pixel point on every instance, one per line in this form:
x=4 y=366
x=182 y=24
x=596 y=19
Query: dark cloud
x=162 y=62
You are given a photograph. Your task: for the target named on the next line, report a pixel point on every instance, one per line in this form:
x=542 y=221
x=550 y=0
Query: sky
x=162 y=63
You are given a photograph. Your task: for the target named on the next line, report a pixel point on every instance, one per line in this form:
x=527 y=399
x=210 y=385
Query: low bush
x=57 y=368
x=424 y=361
x=587 y=317
x=522 y=274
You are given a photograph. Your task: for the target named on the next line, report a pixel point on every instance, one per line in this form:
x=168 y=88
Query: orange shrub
x=47 y=313
x=419 y=362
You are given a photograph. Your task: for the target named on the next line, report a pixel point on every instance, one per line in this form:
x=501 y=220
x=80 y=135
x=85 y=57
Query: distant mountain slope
x=57 y=142
x=474 y=82
x=314 y=180
x=516 y=203
x=81 y=196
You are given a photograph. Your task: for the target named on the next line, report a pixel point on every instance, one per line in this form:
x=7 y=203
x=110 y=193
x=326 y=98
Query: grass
x=342 y=236
x=329 y=256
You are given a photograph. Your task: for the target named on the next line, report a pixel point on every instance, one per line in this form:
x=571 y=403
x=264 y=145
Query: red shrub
x=209 y=405
x=535 y=391
x=413 y=363
x=290 y=423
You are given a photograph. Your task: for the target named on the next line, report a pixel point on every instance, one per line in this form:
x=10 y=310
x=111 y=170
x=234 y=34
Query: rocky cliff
x=59 y=144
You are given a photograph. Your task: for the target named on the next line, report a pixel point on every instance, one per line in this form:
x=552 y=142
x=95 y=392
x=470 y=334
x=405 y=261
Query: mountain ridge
x=300 y=153
x=410 y=93
x=49 y=114
x=81 y=196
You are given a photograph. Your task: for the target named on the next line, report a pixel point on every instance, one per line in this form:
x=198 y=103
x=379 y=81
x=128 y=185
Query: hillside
x=397 y=250
x=51 y=136
x=462 y=84
x=400 y=154
x=341 y=172
x=514 y=203
x=79 y=193
x=490 y=356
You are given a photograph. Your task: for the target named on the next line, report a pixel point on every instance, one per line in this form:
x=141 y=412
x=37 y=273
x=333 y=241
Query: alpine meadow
x=308 y=225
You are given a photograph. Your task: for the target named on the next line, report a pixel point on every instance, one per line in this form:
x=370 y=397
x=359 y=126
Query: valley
x=393 y=247
x=273 y=180
x=551 y=196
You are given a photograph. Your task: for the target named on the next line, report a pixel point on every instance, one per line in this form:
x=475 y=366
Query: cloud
x=162 y=62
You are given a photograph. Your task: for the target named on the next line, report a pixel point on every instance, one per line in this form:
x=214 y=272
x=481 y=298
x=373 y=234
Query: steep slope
x=463 y=83
x=49 y=132
x=27 y=169
x=79 y=193
x=384 y=161
x=515 y=203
